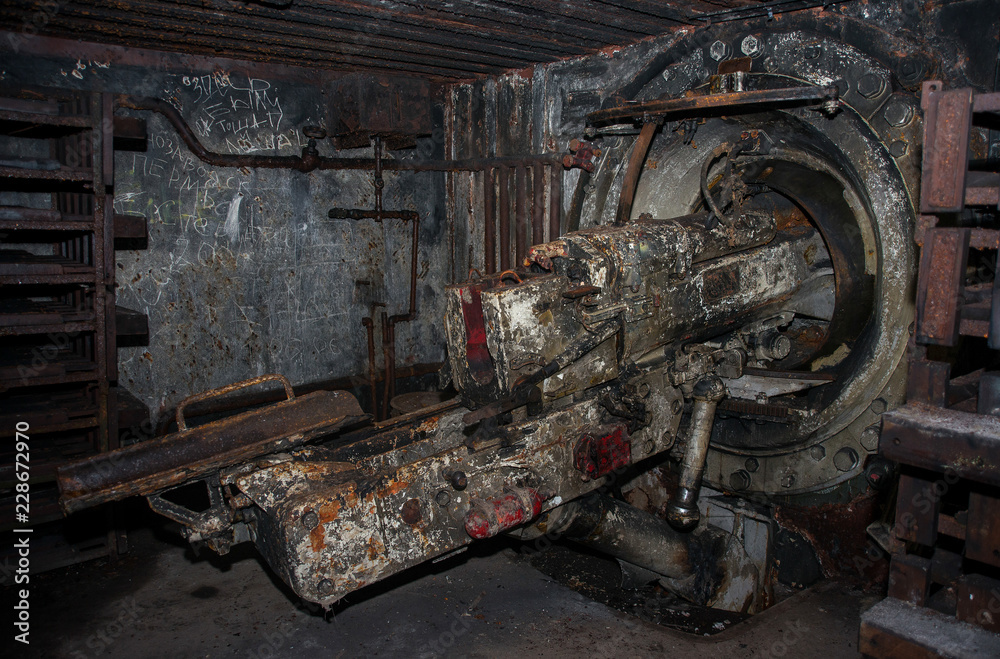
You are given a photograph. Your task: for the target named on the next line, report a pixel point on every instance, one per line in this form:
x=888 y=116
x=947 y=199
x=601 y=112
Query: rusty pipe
x=387 y=359
x=411 y=313
x=637 y=537
x=635 y=162
x=370 y=327
x=521 y=222
x=308 y=163
x=538 y=205
x=555 y=202
x=682 y=511
x=503 y=233
x=489 y=228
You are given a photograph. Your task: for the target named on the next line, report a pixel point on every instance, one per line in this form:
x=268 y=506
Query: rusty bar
x=728 y=101
x=362 y=214
x=982 y=537
x=538 y=205
x=947 y=121
x=310 y=163
x=373 y=390
x=910 y=579
x=503 y=234
x=927 y=382
x=635 y=162
x=939 y=286
x=166 y=462
x=521 y=221
x=411 y=313
x=387 y=359
x=976 y=601
x=917 y=510
x=489 y=225
x=986 y=103
x=229 y=388
x=943 y=440
x=555 y=202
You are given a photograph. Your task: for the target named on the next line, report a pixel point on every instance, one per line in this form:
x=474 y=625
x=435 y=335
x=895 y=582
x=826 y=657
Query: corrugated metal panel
x=433 y=38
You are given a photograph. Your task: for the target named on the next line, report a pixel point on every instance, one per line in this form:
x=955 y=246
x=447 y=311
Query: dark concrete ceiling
x=433 y=38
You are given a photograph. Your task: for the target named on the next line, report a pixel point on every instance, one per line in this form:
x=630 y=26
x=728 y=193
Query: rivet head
x=325 y=587
x=878 y=406
x=458 y=480
x=739 y=480
x=718 y=50
x=411 y=511
x=752 y=46
x=869 y=438
x=310 y=520
x=443 y=498
x=871 y=85
x=898 y=113
x=846 y=459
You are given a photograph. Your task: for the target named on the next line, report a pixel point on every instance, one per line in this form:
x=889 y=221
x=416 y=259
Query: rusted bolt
x=846 y=459
x=752 y=46
x=878 y=406
x=644 y=390
x=787 y=480
x=869 y=438
x=910 y=71
x=898 y=149
x=817 y=452
x=871 y=85
x=650 y=446
x=675 y=407
x=310 y=520
x=718 y=51
x=898 y=113
x=443 y=498
x=458 y=480
x=812 y=52
x=739 y=480
x=751 y=464
x=411 y=511
x=325 y=587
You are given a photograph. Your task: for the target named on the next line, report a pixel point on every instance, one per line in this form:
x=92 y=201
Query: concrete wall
x=244 y=273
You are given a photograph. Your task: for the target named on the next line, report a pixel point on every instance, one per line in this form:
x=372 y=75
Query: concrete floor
x=162 y=600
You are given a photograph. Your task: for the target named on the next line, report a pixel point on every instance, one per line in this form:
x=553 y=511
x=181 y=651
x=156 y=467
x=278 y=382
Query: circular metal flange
x=879 y=184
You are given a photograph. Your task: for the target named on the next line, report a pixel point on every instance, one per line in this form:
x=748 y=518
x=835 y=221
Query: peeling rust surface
x=163 y=463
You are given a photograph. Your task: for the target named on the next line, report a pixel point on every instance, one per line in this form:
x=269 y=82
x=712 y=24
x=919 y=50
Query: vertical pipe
x=503 y=182
x=370 y=327
x=521 y=223
x=489 y=231
x=387 y=367
x=555 y=202
x=682 y=511
x=538 y=205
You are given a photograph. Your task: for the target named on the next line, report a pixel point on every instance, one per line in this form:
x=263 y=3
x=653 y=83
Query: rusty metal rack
x=59 y=324
x=944 y=581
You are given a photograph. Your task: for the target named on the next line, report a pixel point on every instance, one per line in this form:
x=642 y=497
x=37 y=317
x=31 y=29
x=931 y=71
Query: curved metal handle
x=211 y=393
x=510 y=274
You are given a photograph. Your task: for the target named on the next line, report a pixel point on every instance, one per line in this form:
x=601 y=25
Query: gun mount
x=740 y=305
